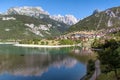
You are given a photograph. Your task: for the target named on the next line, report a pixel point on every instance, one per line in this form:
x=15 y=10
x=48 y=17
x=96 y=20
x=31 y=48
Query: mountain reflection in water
x=29 y=65
x=45 y=64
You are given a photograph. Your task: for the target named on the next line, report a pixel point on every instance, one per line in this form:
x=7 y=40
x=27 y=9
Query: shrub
x=66 y=42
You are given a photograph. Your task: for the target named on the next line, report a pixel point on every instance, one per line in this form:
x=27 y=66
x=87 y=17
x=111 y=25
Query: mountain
x=38 y=12
x=109 y=18
x=96 y=11
x=29 y=23
x=67 y=19
x=25 y=27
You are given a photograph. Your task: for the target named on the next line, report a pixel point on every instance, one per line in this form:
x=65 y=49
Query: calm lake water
x=18 y=63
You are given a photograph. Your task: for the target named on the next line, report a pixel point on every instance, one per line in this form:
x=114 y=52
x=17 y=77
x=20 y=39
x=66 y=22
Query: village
x=87 y=35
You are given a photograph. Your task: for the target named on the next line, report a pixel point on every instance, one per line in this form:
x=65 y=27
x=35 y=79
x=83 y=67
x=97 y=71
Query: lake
x=18 y=63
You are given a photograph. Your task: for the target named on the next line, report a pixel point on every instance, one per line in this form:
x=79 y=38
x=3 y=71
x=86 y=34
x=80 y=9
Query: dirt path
x=97 y=70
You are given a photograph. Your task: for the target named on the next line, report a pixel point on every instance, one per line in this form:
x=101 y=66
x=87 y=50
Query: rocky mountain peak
x=113 y=12
x=108 y=18
x=29 y=11
x=67 y=19
x=96 y=11
x=39 y=12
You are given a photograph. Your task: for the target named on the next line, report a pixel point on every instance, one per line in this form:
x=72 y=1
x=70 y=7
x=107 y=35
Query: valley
x=34 y=30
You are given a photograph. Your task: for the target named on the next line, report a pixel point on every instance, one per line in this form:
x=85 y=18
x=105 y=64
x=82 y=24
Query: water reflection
x=33 y=64
x=42 y=62
x=82 y=51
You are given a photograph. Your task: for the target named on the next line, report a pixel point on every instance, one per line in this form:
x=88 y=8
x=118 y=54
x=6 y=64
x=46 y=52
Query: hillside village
x=86 y=35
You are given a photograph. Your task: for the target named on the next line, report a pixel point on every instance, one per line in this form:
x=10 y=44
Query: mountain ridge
x=100 y=20
x=25 y=27
x=39 y=12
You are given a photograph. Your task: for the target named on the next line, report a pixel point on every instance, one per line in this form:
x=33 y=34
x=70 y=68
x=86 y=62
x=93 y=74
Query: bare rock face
x=38 y=12
x=29 y=11
x=96 y=11
x=67 y=19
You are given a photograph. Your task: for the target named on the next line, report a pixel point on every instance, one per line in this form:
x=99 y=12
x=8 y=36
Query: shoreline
x=8 y=42
x=42 y=46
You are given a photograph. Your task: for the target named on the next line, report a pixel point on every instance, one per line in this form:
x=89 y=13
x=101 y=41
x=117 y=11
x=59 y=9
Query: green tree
x=42 y=43
x=46 y=42
x=110 y=56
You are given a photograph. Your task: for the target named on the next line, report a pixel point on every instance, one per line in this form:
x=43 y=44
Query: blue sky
x=78 y=8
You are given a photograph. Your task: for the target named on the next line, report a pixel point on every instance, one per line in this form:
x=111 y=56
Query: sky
x=78 y=8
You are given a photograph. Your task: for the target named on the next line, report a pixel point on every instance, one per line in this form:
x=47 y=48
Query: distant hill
x=15 y=26
x=98 y=20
